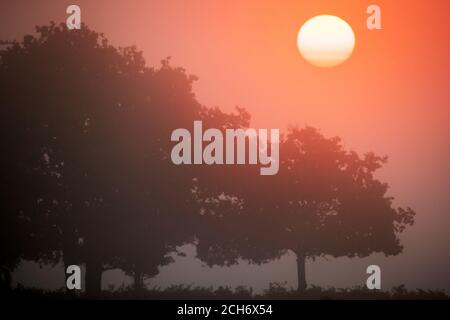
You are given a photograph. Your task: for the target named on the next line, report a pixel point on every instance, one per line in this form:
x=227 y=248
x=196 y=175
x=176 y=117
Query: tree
x=88 y=175
x=25 y=205
x=93 y=119
x=98 y=125
x=324 y=201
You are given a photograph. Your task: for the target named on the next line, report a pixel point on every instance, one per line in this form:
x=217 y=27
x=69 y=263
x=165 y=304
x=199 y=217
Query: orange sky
x=391 y=97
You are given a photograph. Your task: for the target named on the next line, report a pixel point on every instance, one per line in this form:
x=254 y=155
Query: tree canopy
x=324 y=201
x=87 y=176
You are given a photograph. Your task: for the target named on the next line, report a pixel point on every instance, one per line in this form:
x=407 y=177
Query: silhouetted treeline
x=87 y=176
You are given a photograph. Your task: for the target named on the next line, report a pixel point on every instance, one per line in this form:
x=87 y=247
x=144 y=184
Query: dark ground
x=275 y=292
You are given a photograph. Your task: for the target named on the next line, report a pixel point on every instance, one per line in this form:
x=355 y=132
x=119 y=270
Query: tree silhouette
x=88 y=177
x=324 y=201
x=96 y=125
x=25 y=205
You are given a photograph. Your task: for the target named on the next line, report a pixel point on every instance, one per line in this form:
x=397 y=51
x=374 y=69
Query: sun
x=326 y=41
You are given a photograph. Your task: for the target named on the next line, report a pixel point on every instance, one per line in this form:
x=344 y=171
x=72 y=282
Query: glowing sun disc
x=326 y=41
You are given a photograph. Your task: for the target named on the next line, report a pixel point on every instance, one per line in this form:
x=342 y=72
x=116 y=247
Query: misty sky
x=391 y=97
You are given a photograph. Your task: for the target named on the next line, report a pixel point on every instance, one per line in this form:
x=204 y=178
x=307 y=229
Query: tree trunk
x=5 y=280
x=301 y=272
x=93 y=279
x=138 y=281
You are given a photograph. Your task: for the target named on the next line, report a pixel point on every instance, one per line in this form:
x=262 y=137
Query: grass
x=275 y=291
